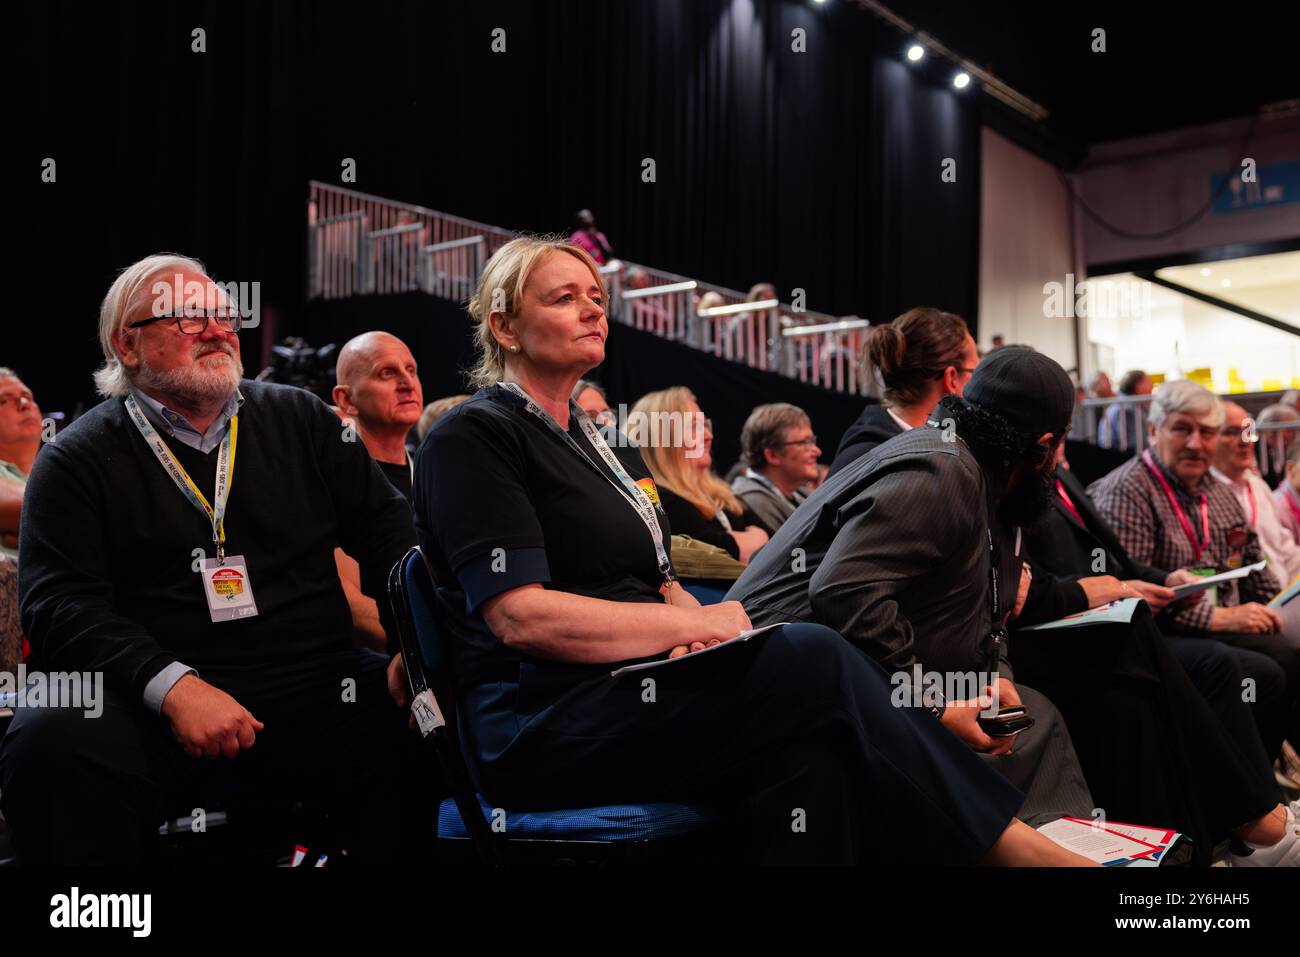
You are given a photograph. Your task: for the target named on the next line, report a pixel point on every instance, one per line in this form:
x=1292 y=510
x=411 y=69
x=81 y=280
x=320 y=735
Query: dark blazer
x=1064 y=547
x=893 y=553
x=868 y=430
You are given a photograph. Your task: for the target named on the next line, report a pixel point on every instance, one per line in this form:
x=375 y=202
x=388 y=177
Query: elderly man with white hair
x=1168 y=511
x=179 y=540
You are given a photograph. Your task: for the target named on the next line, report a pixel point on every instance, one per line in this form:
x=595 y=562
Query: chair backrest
x=414 y=602
x=423 y=601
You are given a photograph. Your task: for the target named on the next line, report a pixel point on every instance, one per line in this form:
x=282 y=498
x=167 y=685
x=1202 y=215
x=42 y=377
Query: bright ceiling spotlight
x=1225 y=283
x=961 y=80
x=1205 y=270
x=915 y=52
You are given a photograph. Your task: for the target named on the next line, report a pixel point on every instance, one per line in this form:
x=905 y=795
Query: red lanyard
x=1290 y=500
x=1198 y=547
x=1250 y=494
x=1065 y=499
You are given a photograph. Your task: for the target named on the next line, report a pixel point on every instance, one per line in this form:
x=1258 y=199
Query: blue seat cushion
x=618 y=822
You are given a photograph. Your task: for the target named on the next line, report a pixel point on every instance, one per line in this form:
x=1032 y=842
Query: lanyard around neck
x=633 y=493
x=1068 y=503
x=1198 y=547
x=216 y=511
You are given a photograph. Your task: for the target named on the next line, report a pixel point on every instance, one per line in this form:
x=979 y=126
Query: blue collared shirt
x=176 y=426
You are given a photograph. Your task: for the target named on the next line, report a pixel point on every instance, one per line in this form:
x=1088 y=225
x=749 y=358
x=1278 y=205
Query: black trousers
x=1153 y=749
x=1245 y=689
x=78 y=790
x=794 y=732
x=1284 y=649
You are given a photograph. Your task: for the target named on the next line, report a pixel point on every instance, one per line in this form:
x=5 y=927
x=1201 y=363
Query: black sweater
x=106 y=570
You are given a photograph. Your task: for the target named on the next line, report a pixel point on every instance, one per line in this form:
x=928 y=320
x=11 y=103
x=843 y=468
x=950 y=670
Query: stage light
x=915 y=52
x=1205 y=270
x=961 y=80
x=1225 y=283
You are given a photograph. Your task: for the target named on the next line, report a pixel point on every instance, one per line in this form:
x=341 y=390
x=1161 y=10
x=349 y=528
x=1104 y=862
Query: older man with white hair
x=1169 y=512
x=217 y=622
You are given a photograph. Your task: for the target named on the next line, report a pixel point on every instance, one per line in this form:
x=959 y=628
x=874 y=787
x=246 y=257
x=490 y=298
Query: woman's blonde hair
x=665 y=453
x=501 y=289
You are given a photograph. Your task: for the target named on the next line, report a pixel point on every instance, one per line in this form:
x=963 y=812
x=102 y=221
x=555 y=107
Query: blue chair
x=587 y=834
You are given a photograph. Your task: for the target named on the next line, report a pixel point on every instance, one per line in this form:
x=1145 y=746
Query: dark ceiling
x=1167 y=65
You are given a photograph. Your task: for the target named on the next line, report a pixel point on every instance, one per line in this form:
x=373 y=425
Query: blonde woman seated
x=548 y=556
x=676 y=442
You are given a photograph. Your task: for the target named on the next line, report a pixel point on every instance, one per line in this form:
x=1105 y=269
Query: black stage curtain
x=817 y=170
x=439 y=335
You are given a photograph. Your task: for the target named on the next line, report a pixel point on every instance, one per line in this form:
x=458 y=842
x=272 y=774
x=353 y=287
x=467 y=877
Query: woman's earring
x=514 y=348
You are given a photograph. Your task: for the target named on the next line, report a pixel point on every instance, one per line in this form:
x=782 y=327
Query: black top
x=686 y=519
x=500 y=502
x=873 y=426
x=399 y=475
x=893 y=553
x=106 y=575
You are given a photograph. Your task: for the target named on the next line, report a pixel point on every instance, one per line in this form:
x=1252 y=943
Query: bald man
x=378 y=390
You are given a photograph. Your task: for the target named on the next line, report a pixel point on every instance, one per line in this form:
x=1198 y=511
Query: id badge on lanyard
x=636 y=495
x=226 y=585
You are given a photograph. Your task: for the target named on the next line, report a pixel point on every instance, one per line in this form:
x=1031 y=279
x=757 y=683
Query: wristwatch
x=938 y=709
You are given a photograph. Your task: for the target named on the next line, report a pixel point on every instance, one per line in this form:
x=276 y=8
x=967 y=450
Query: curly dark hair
x=996 y=443
x=1000 y=447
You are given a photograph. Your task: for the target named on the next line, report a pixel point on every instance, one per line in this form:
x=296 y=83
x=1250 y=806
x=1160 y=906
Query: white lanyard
x=215 y=512
x=626 y=486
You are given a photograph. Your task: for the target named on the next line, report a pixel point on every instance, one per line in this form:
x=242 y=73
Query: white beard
x=206 y=381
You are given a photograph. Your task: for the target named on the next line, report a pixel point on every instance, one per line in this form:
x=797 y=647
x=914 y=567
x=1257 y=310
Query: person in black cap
x=912 y=553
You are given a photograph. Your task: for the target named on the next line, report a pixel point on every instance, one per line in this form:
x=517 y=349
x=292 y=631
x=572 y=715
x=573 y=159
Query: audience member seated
x=20 y=440
x=1073 y=539
x=11 y=632
x=1234 y=466
x=912 y=554
x=676 y=441
x=1274 y=441
x=779 y=453
x=547 y=552
x=1135 y=382
x=1286 y=497
x=920 y=357
x=434 y=411
x=591 y=399
x=590 y=239
x=211 y=621
x=378 y=393
x=1169 y=512
x=1191 y=753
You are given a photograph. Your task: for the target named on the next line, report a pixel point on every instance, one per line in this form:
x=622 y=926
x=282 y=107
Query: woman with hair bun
x=920 y=357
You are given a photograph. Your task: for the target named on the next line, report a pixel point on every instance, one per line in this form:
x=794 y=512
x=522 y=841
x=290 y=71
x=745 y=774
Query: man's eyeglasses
x=1244 y=434
x=811 y=440
x=194 y=324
